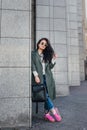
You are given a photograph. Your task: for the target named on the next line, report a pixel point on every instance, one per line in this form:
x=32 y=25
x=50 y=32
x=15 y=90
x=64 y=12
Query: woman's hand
x=55 y=56
x=37 y=79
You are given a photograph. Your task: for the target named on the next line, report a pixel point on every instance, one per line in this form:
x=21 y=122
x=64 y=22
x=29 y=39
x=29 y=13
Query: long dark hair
x=48 y=52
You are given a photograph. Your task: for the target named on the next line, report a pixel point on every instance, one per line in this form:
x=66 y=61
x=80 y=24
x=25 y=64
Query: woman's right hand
x=37 y=79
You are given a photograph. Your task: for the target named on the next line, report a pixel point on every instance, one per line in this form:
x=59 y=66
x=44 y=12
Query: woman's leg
x=48 y=104
x=49 y=107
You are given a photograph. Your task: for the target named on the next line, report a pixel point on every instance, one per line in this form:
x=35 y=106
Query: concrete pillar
x=15 y=63
x=73 y=43
x=81 y=39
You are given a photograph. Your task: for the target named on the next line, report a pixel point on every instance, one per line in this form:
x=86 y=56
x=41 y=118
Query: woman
x=42 y=63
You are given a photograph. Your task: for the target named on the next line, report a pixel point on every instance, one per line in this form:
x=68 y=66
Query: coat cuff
x=53 y=61
x=35 y=73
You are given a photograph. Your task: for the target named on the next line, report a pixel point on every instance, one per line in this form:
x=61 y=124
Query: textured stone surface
x=0 y=21
x=61 y=78
x=44 y=2
x=61 y=50
x=59 y=24
x=41 y=34
x=73 y=9
x=73 y=17
x=59 y=3
x=60 y=37
x=61 y=13
x=17 y=54
x=15 y=4
x=42 y=24
x=73 y=2
x=73 y=25
x=14 y=112
x=74 y=33
x=0 y=4
x=44 y=9
x=61 y=65
x=15 y=24
x=14 y=82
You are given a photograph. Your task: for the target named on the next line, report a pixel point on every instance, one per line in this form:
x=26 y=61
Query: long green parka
x=37 y=66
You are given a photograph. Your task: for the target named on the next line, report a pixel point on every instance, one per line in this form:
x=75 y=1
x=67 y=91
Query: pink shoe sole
x=49 y=117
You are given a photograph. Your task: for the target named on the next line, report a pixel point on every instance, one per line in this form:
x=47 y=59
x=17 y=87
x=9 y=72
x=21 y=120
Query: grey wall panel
x=15 y=4
x=14 y=112
x=15 y=24
x=17 y=54
x=44 y=9
x=43 y=2
x=14 y=82
x=59 y=2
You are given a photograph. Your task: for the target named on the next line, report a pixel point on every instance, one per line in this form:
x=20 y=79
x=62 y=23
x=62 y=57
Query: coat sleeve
x=33 y=66
x=51 y=65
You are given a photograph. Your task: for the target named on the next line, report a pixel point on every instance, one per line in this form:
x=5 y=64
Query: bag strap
x=36 y=107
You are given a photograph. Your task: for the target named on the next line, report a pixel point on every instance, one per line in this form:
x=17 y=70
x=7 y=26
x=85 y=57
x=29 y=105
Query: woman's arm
x=51 y=65
x=53 y=62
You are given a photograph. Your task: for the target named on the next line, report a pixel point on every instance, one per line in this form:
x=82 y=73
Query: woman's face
x=42 y=45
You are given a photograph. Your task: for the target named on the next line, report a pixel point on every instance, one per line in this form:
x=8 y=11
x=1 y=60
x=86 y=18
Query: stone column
x=15 y=63
x=81 y=39
x=73 y=43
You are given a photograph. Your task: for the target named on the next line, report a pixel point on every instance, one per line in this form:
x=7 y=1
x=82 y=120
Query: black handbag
x=38 y=93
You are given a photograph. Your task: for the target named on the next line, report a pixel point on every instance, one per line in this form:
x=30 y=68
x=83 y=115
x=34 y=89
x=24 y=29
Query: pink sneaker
x=49 y=117
x=57 y=117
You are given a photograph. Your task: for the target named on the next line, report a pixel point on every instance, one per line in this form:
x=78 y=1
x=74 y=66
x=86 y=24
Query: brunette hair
x=48 y=52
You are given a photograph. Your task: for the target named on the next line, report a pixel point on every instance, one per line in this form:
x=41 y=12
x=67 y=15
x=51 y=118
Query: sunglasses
x=42 y=43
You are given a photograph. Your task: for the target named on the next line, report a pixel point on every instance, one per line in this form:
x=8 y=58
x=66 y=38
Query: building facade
x=22 y=24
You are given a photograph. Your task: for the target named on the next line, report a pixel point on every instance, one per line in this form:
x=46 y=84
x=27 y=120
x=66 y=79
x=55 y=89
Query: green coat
x=37 y=66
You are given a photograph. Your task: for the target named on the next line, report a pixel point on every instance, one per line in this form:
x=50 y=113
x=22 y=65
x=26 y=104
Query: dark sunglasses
x=42 y=43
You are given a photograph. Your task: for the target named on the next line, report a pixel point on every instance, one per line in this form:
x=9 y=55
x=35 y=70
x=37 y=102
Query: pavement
x=73 y=109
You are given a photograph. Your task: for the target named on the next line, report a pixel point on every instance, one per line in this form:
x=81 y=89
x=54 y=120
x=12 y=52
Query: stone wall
x=15 y=63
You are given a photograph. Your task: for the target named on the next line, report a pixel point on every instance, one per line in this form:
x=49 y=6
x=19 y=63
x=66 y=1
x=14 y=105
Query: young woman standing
x=42 y=63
